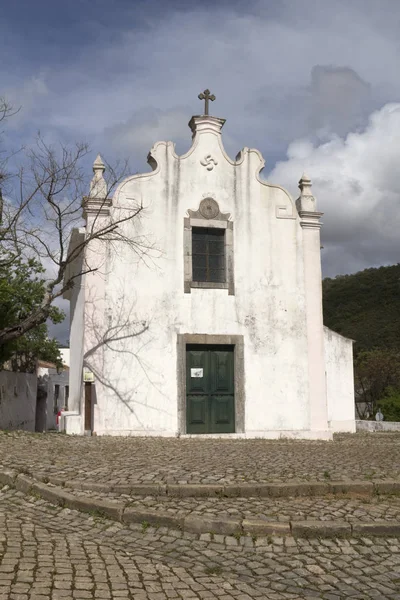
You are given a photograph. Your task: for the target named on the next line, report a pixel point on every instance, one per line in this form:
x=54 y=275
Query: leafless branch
x=41 y=211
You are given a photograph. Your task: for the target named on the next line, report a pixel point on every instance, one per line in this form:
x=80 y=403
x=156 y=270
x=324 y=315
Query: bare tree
x=44 y=202
x=6 y=111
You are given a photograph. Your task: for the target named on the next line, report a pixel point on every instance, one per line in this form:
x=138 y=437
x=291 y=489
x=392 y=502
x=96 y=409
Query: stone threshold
x=236 y=527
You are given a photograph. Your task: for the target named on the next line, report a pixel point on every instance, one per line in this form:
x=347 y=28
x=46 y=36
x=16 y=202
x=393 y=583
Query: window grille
x=208 y=254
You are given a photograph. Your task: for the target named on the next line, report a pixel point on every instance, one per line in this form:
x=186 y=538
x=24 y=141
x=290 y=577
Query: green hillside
x=365 y=306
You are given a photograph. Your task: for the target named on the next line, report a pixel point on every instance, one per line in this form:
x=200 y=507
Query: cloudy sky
x=313 y=84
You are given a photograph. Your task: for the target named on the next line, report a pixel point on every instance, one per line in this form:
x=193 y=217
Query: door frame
x=237 y=341
x=88 y=410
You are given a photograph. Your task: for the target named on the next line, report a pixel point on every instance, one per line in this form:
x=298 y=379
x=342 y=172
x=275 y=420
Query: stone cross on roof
x=206 y=96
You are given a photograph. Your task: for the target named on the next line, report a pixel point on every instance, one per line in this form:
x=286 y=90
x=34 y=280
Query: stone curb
x=200 y=524
x=242 y=490
x=332 y=529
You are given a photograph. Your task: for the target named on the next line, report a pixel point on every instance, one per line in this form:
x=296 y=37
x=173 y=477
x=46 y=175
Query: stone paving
x=114 y=461
x=53 y=553
x=49 y=553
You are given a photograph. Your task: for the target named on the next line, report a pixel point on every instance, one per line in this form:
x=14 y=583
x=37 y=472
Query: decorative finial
x=98 y=164
x=206 y=96
x=98 y=185
x=306 y=200
x=305 y=185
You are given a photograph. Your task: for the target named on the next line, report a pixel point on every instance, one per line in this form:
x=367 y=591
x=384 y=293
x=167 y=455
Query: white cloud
x=357 y=187
x=290 y=77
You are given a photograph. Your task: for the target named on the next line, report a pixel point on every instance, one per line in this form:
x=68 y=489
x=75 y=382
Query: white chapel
x=203 y=315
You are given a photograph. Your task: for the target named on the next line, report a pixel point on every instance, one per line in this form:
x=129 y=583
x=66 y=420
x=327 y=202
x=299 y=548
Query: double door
x=210 y=400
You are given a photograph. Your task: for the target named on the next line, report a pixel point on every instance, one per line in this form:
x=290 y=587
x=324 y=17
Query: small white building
x=52 y=392
x=210 y=321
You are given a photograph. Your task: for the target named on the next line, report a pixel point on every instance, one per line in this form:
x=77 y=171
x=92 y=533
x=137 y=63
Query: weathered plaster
x=339 y=381
x=274 y=307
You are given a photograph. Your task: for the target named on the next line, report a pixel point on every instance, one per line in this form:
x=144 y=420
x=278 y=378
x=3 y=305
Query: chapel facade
x=203 y=316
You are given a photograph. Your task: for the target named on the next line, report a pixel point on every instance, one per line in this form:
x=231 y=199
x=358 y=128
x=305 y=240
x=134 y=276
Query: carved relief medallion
x=209 y=208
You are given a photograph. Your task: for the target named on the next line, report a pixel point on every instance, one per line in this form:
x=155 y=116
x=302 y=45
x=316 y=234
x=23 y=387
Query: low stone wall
x=17 y=400
x=372 y=426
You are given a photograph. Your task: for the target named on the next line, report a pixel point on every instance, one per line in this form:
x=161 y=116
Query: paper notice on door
x=196 y=372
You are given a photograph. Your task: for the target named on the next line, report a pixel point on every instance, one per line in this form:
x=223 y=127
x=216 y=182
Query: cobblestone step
x=239 y=490
x=244 y=490
x=218 y=463
x=237 y=517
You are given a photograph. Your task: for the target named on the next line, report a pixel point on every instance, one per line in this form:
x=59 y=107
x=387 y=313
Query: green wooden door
x=210 y=402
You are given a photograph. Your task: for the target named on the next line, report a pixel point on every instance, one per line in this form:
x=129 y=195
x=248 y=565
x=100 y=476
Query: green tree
x=377 y=377
x=365 y=306
x=22 y=289
x=390 y=404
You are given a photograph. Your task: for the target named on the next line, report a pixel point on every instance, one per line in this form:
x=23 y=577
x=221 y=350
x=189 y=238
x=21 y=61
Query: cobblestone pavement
x=52 y=553
x=355 y=510
x=157 y=460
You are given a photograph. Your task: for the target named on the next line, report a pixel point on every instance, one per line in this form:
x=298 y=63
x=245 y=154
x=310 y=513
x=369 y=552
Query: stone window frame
x=208 y=215
x=237 y=341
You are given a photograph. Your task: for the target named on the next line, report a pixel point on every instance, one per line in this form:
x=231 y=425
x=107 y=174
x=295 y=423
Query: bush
x=390 y=405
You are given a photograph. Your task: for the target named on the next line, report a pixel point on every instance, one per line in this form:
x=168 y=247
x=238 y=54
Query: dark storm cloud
x=340 y=101
x=297 y=80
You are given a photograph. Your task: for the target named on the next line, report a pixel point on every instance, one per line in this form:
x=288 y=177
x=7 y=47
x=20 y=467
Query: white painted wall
x=17 y=400
x=138 y=392
x=340 y=381
x=76 y=296
x=136 y=376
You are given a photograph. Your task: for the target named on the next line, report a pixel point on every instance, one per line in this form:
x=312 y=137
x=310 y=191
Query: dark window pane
x=200 y=261
x=216 y=247
x=199 y=274
x=199 y=232
x=199 y=246
x=208 y=254
x=216 y=262
x=216 y=233
x=217 y=275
